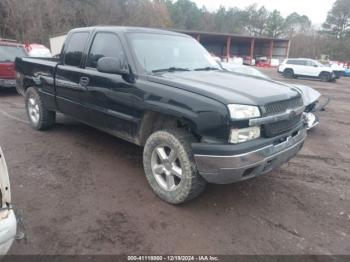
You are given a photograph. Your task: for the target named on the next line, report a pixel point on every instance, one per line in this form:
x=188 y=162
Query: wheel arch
x=153 y=121
x=288 y=68
x=324 y=72
x=23 y=83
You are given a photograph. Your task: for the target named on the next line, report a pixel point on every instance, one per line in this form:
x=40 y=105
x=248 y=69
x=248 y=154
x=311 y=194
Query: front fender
x=209 y=117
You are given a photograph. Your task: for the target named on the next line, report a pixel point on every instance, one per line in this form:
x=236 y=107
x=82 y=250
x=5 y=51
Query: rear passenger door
x=109 y=97
x=68 y=77
x=302 y=68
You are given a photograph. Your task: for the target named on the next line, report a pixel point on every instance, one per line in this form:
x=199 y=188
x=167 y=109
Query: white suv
x=294 y=67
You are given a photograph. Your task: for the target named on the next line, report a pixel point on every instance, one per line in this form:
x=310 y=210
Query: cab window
x=75 y=48
x=104 y=45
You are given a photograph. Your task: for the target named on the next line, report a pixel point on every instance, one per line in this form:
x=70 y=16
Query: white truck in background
x=56 y=44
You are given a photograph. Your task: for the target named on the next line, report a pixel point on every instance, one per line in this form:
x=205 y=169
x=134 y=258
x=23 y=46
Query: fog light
x=244 y=134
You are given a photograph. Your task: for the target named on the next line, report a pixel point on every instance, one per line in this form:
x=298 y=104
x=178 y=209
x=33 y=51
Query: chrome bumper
x=233 y=168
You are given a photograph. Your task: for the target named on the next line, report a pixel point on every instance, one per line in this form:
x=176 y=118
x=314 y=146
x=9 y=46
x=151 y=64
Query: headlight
x=240 y=112
x=244 y=134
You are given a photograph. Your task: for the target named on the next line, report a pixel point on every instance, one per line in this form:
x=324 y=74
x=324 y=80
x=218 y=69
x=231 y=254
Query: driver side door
x=108 y=97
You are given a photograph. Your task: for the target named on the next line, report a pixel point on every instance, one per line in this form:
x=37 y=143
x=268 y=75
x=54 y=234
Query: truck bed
x=31 y=66
x=38 y=72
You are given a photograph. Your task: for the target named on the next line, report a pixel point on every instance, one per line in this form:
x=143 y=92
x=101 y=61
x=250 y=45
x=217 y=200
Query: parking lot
x=84 y=192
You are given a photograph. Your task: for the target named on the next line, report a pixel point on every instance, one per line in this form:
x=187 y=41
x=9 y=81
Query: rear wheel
x=170 y=167
x=288 y=73
x=39 y=117
x=325 y=77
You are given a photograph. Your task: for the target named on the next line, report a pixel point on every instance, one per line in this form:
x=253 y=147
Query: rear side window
x=296 y=62
x=104 y=45
x=75 y=48
x=291 y=62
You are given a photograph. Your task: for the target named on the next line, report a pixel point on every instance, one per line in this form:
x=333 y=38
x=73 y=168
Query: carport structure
x=227 y=46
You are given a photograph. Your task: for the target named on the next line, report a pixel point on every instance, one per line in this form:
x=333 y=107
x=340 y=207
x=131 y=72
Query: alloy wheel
x=166 y=167
x=33 y=109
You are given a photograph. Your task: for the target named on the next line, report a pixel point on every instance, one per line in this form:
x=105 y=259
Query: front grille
x=277 y=128
x=282 y=106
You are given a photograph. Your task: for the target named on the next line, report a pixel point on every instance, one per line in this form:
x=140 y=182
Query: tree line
x=38 y=20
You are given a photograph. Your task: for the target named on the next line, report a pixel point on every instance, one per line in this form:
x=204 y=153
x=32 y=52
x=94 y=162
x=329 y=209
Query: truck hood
x=310 y=95
x=228 y=87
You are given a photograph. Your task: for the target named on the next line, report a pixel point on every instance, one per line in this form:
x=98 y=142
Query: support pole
x=271 y=49
x=228 y=48
x=252 y=46
x=288 y=48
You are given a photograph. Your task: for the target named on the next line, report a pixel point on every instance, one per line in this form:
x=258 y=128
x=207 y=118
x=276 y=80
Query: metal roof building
x=222 y=45
x=230 y=45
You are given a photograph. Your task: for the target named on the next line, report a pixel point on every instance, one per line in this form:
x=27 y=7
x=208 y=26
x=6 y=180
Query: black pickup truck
x=163 y=91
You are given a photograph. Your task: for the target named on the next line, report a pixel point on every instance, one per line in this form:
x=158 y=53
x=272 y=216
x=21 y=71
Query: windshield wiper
x=208 y=68
x=170 y=69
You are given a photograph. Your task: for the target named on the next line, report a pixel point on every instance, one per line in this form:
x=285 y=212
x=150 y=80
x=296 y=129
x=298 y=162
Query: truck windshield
x=9 y=53
x=158 y=52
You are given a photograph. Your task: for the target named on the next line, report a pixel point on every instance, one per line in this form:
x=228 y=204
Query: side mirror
x=315 y=65
x=113 y=65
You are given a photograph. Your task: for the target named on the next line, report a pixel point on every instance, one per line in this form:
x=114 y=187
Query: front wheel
x=288 y=73
x=39 y=117
x=170 y=167
x=325 y=77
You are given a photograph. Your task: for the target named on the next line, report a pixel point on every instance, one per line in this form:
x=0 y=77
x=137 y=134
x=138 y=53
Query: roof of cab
x=129 y=29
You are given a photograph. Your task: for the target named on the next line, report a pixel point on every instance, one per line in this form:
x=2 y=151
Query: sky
x=316 y=10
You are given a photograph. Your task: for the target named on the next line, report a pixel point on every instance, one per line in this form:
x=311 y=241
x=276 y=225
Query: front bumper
x=225 y=169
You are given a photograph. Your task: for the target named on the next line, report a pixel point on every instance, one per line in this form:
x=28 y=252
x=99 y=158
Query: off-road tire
x=47 y=118
x=192 y=184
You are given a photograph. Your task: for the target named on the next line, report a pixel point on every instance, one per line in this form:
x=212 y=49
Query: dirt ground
x=84 y=192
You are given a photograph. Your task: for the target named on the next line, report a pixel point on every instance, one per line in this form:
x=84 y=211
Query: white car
x=36 y=50
x=304 y=67
x=311 y=97
x=8 y=222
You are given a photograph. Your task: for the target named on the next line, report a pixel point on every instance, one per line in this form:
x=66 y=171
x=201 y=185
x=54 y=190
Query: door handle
x=84 y=81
